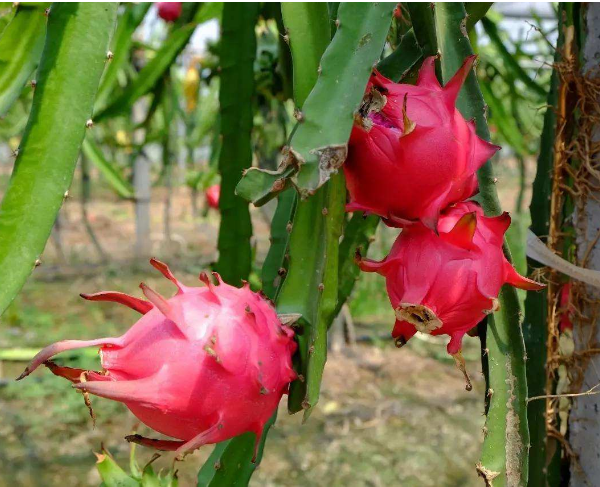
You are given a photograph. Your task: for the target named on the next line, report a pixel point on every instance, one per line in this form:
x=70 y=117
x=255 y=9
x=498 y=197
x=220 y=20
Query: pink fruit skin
x=457 y=274
x=212 y=194
x=169 y=11
x=206 y=365
x=403 y=175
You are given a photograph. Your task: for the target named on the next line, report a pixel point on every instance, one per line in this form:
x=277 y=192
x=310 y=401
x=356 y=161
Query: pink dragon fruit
x=206 y=365
x=411 y=153
x=212 y=195
x=445 y=284
x=169 y=11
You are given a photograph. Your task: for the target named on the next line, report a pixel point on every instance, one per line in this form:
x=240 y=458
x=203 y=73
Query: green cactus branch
x=21 y=45
x=408 y=55
x=357 y=235
x=504 y=458
x=120 y=46
x=72 y=62
x=319 y=145
x=423 y=25
x=304 y=26
x=236 y=97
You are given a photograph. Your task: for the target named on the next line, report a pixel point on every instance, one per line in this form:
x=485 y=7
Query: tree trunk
x=584 y=419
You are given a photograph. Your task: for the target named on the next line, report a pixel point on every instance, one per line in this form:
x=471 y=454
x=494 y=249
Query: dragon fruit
x=411 y=153
x=212 y=194
x=206 y=365
x=169 y=11
x=446 y=283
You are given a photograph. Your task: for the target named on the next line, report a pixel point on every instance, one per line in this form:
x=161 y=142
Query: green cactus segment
x=230 y=463
x=236 y=97
x=319 y=145
x=71 y=65
x=308 y=40
x=275 y=264
x=151 y=74
x=357 y=237
x=403 y=59
x=116 y=180
x=21 y=46
x=423 y=24
x=408 y=55
x=536 y=310
x=120 y=46
x=504 y=457
x=311 y=286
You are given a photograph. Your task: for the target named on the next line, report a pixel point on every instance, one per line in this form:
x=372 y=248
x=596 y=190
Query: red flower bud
x=411 y=153
x=212 y=194
x=445 y=284
x=566 y=309
x=169 y=11
x=206 y=365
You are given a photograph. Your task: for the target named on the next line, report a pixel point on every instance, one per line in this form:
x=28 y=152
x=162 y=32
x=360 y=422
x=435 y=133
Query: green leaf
x=116 y=180
x=21 y=46
x=72 y=62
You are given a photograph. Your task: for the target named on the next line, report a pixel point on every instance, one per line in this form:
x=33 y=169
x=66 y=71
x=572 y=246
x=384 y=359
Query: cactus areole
x=446 y=283
x=206 y=365
x=411 y=153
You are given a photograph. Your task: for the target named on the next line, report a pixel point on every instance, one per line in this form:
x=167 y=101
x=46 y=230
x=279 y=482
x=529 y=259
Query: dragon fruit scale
x=446 y=283
x=206 y=365
x=411 y=153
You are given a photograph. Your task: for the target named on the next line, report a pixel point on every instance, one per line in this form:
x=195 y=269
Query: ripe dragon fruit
x=212 y=194
x=206 y=365
x=445 y=284
x=411 y=153
x=169 y=11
